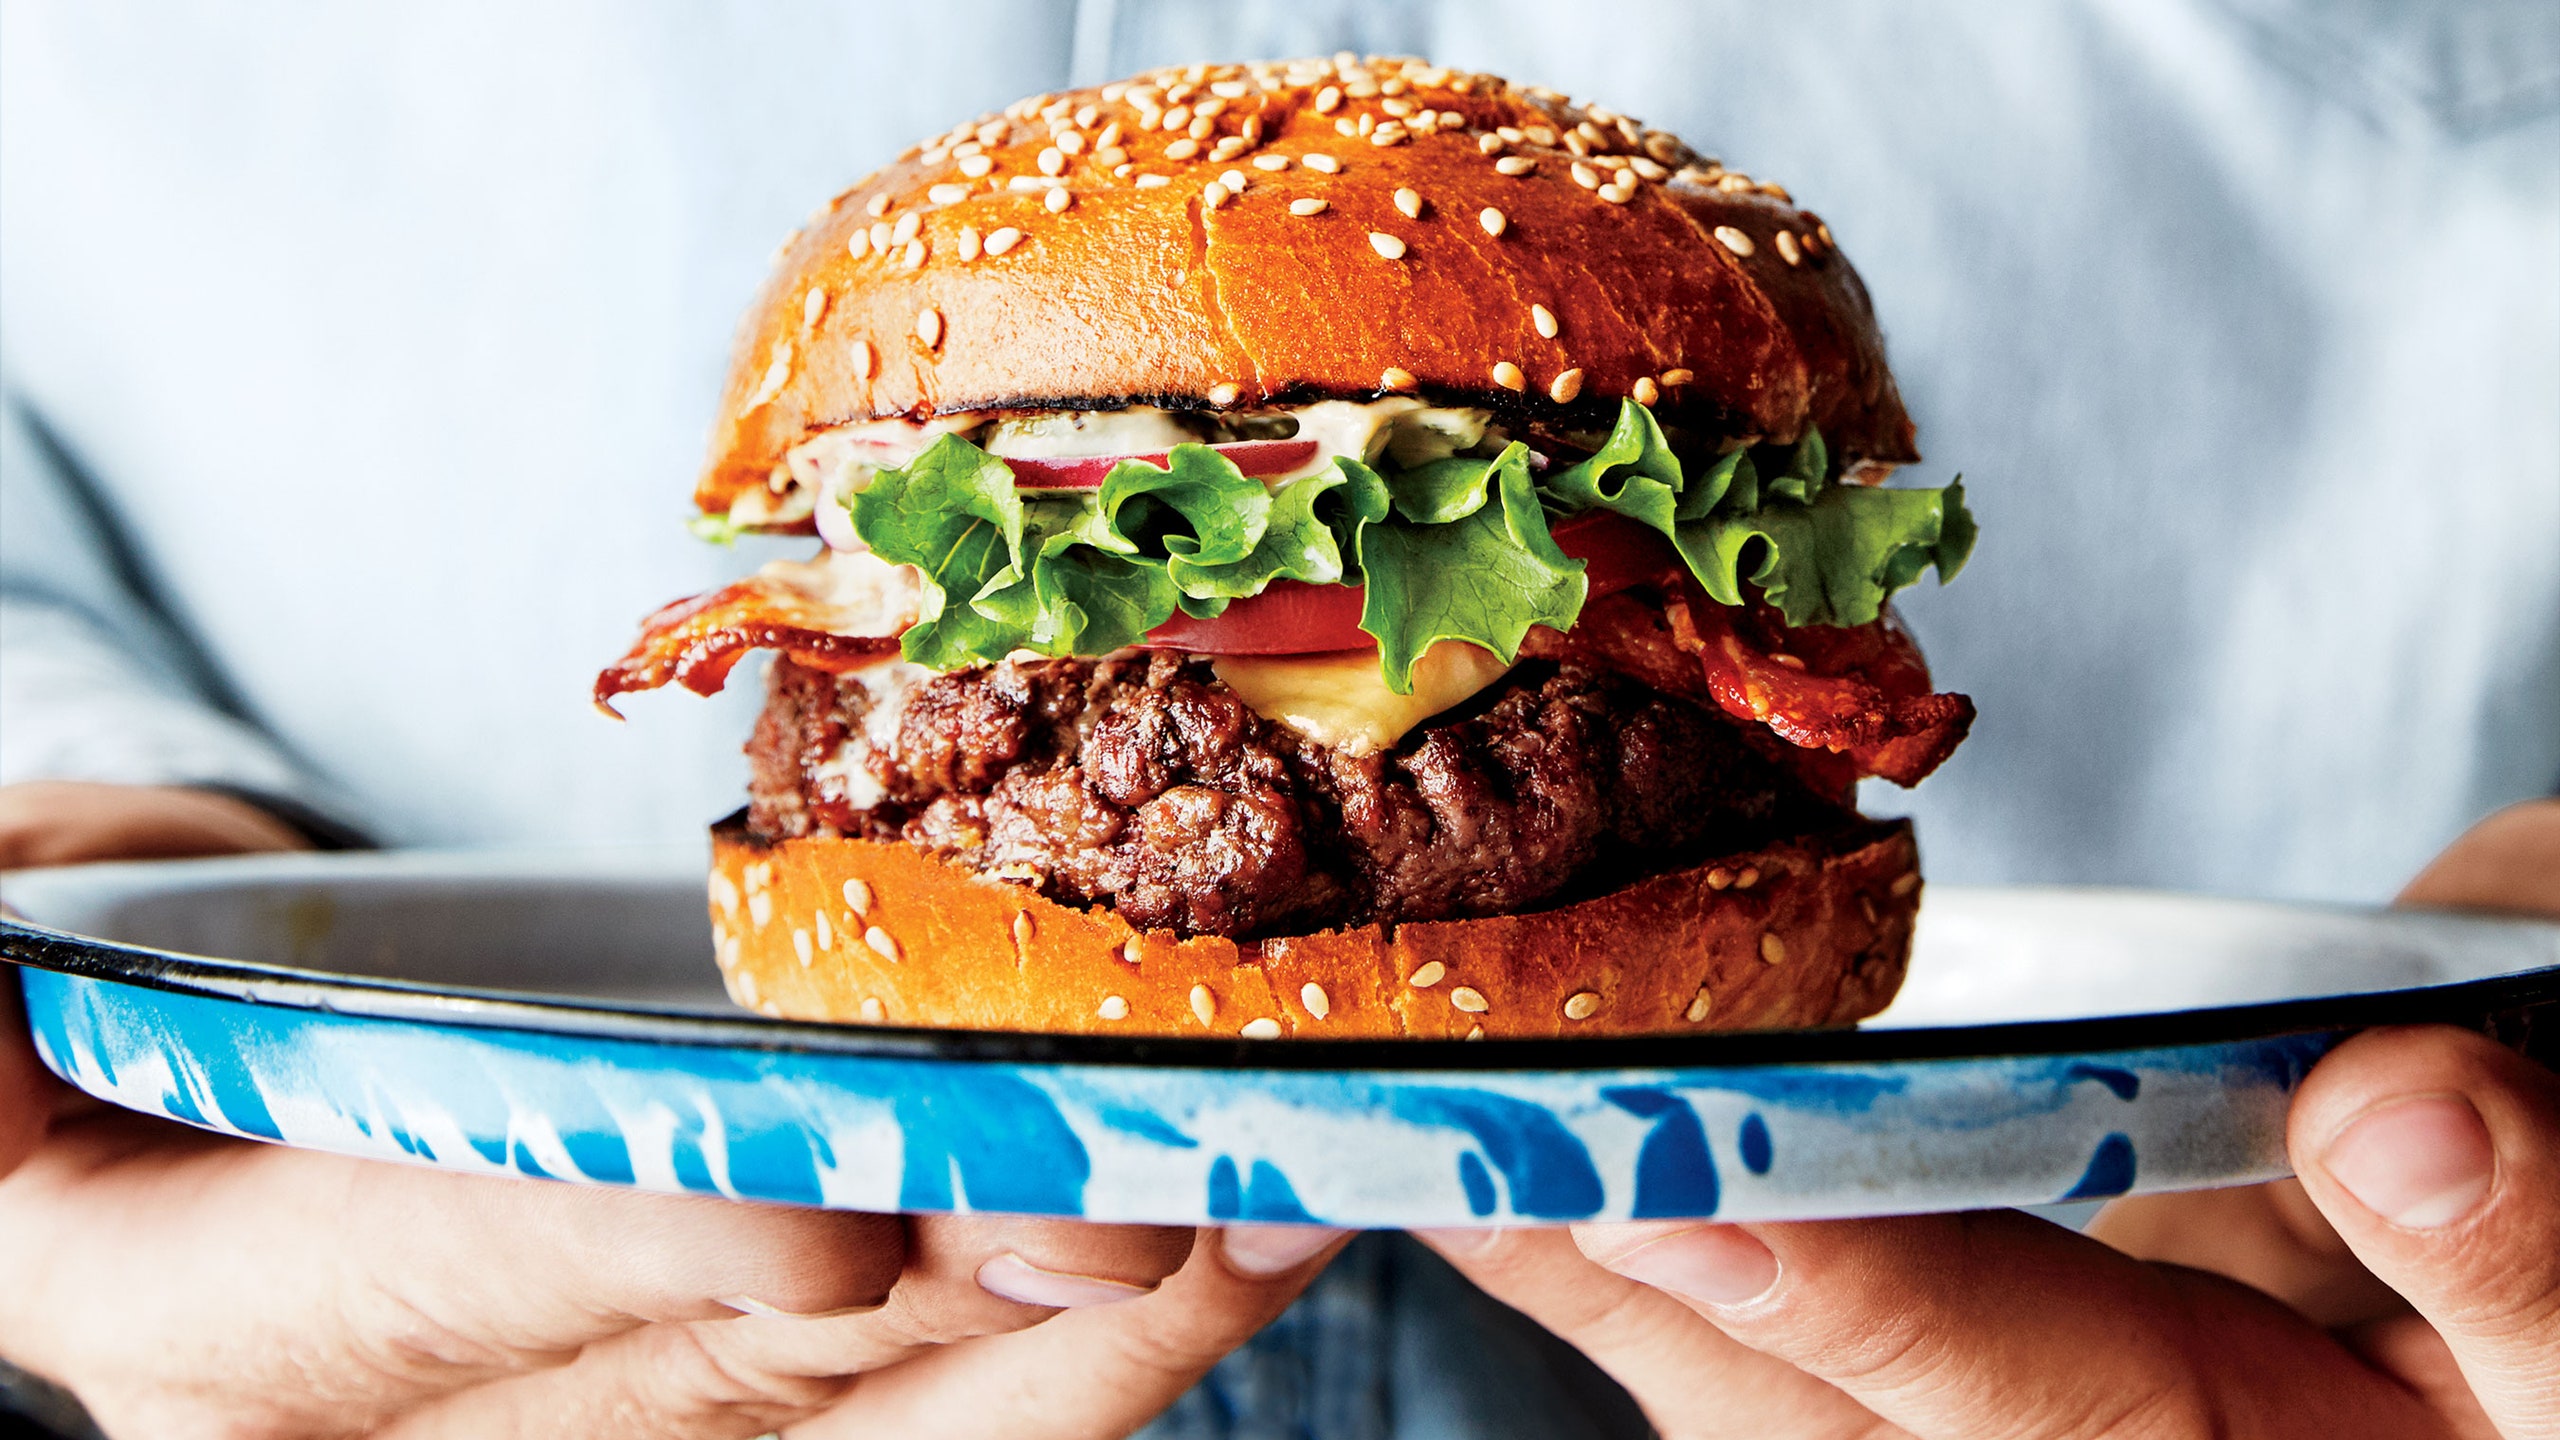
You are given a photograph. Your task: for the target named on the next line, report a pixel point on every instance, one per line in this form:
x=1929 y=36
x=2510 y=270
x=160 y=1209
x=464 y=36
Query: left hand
x=2408 y=1285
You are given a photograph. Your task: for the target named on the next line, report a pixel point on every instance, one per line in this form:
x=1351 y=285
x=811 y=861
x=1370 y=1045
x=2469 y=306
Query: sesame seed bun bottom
x=1811 y=931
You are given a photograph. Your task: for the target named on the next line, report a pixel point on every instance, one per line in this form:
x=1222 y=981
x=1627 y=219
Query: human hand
x=2407 y=1286
x=181 y=1283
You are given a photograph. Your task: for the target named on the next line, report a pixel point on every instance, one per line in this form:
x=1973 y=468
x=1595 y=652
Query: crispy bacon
x=697 y=642
x=1858 y=693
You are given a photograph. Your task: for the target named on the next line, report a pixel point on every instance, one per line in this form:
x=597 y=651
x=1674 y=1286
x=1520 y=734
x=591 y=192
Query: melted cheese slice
x=1340 y=699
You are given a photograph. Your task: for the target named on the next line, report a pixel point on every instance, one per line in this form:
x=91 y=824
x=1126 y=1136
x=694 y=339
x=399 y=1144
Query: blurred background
x=359 y=360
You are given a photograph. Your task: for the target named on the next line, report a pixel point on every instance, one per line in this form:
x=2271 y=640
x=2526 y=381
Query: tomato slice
x=1294 y=618
x=1084 y=472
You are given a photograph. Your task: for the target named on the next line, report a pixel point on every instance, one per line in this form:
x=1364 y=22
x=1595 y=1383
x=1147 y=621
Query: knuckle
x=692 y=1371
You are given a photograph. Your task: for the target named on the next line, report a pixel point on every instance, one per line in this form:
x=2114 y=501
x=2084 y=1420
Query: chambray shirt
x=359 y=359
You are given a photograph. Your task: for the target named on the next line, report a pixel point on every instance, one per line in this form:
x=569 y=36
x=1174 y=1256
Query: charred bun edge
x=1810 y=931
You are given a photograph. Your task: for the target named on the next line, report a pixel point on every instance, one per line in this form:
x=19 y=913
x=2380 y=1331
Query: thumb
x=2436 y=1154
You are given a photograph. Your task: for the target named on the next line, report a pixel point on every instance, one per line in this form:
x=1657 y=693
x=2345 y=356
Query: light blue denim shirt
x=360 y=359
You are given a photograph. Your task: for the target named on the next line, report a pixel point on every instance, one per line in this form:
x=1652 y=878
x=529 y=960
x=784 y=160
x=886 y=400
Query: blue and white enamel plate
x=558 y=1015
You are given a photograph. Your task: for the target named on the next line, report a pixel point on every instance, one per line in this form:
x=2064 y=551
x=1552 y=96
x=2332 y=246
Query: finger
x=1101 y=1371
x=161 y=1272
x=66 y=822
x=2509 y=862
x=964 y=1277
x=1691 y=1379
x=27 y=1089
x=2270 y=1238
x=2000 y=1324
x=2436 y=1153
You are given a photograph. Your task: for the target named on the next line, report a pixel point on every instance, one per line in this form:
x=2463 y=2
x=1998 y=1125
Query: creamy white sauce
x=853 y=593
x=848 y=771
x=818 y=473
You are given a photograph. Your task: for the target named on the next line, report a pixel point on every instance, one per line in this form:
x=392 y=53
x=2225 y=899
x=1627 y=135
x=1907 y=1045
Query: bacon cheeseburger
x=1336 y=548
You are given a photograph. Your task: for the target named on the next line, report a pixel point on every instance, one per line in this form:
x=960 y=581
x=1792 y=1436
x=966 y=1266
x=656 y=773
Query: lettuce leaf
x=1456 y=549
x=1484 y=577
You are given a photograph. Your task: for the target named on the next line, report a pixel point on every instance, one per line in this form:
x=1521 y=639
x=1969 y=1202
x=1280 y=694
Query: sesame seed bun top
x=1399 y=227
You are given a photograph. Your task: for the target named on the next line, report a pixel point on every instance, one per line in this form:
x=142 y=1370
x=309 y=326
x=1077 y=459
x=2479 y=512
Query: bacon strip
x=1860 y=693
x=697 y=642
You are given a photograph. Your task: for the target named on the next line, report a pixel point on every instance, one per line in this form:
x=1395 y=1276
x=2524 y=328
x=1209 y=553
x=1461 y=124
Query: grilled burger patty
x=1142 y=782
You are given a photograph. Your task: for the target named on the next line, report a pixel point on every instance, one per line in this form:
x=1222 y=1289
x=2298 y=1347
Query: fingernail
x=1471 y=1240
x=1711 y=1264
x=1256 y=1251
x=1013 y=1278
x=750 y=1305
x=2420 y=1163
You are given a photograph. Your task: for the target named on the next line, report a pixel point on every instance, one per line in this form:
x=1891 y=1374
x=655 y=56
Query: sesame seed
x=1386 y=245
x=1234 y=180
x=1204 y=1004
x=1132 y=951
x=977 y=167
x=1749 y=877
x=1475 y=1032
x=1787 y=249
x=947 y=194
x=1387 y=135
x=1225 y=392
x=1494 y=222
x=1467 y=999
x=1620 y=193
x=1645 y=391
x=1565 y=387
x=905 y=230
x=858 y=244
x=1059 y=199
x=914 y=257
x=1265 y=1028
x=1229 y=148
x=1772 y=949
x=968 y=242
x=1271 y=162
x=1086 y=115
x=1109 y=137
x=724 y=893
x=1346 y=129
x=1585 y=176
x=1508 y=135
x=991 y=132
x=826 y=932
x=1488 y=143
x=1213 y=194
x=1070 y=142
x=1539 y=135
x=1182 y=149
x=880 y=233
x=877 y=205
x=800 y=946
x=1677 y=377
x=1177 y=118
x=1905 y=883
x=1578 y=146
x=1052 y=162
x=929 y=327
x=1718 y=878
x=1113 y=1007
x=1410 y=203
x=1026 y=184
x=1733 y=184
x=1023 y=929
x=1153 y=182
x=1003 y=240
x=1427 y=974
x=1113 y=156
x=881 y=941
x=1824 y=230
x=1395 y=378
x=813 y=306
x=1508 y=376
x=1307 y=205
x=866 y=363
x=1324 y=164
x=1581 y=1006
x=1733 y=240
x=1544 y=319
x=1229 y=89
x=1515 y=165
x=1202 y=127
x=1648 y=169
x=1317 y=1002
x=1699 y=1005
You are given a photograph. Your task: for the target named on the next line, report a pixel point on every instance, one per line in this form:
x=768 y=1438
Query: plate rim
x=25 y=943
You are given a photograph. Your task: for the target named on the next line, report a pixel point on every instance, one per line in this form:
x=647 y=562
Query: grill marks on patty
x=1144 y=783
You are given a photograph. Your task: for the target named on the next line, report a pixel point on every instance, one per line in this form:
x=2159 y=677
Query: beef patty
x=1144 y=783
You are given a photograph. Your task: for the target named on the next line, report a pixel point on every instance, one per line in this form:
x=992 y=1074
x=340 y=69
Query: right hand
x=181 y=1283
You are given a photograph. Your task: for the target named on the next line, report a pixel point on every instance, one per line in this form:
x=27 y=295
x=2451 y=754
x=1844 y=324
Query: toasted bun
x=1810 y=931
x=1151 y=287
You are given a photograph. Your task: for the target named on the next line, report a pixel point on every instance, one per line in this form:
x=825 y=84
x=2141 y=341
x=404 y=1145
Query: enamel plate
x=558 y=1015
